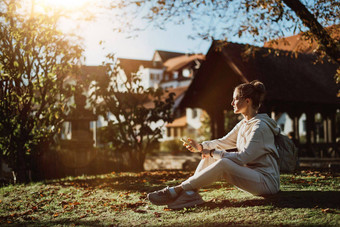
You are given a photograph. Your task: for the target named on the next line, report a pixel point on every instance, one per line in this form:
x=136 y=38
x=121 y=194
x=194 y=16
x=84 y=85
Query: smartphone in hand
x=188 y=142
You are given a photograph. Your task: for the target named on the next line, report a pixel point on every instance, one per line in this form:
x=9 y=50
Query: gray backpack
x=288 y=155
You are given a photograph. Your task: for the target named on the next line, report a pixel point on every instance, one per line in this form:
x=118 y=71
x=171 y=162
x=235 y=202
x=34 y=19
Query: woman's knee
x=226 y=164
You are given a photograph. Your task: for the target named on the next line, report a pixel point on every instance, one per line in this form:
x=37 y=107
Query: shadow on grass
x=65 y=222
x=287 y=199
x=139 y=182
x=154 y=180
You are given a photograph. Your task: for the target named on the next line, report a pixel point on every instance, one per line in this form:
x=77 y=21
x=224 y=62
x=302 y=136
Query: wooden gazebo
x=296 y=84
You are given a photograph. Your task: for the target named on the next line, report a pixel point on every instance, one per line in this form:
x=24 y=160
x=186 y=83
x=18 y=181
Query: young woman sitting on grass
x=252 y=167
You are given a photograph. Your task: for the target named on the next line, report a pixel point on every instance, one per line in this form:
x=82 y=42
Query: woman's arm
x=254 y=148
x=224 y=143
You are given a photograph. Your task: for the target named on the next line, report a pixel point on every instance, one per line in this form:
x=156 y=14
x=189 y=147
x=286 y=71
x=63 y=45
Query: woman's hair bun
x=255 y=90
x=259 y=86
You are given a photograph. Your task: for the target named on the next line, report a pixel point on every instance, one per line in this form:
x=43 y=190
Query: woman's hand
x=193 y=145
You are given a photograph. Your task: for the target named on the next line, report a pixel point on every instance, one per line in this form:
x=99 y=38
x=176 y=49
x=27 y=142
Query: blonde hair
x=254 y=90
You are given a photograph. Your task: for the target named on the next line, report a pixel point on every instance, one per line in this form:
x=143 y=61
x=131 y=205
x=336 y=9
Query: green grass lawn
x=307 y=198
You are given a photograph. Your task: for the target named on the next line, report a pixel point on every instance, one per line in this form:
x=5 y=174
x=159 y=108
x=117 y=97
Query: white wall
x=147 y=73
x=194 y=119
x=288 y=123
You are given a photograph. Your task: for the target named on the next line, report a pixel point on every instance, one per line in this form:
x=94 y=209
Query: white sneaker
x=186 y=199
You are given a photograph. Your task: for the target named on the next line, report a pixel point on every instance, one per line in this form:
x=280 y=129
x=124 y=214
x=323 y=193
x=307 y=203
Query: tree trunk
x=137 y=159
x=316 y=28
x=21 y=167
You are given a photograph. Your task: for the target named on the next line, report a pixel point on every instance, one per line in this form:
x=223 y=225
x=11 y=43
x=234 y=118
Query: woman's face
x=239 y=104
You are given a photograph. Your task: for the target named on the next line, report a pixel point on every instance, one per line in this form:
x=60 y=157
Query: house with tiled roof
x=173 y=71
x=166 y=69
x=300 y=43
x=179 y=70
x=186 y=122
x=162 y=55
x=150 y=71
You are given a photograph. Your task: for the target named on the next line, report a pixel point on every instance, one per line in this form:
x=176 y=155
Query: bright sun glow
x=66 y=4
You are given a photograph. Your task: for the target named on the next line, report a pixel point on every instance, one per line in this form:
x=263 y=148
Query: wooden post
x=333 y=127
x=220 y=124
x=296 y=128
x=217 y=123
x=212 y=125
x=273 y=115
x=295 y=116
x=325 y=128
x=309 y=128
x=329 y=129
x=333 y=135
x=311 y=133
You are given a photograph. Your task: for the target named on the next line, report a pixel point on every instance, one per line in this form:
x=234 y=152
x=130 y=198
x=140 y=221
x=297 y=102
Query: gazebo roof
x=294 y=81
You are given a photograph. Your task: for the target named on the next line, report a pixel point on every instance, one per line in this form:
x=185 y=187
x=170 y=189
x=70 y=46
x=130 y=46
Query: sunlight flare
x=66 y=4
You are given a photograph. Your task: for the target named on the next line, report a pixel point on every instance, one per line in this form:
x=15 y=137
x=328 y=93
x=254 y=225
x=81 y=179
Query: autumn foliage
x=306 y=198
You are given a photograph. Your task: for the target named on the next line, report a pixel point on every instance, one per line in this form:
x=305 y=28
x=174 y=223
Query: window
x=186 y=73
x=152 y=76
x=175 y=75
x=168 y=131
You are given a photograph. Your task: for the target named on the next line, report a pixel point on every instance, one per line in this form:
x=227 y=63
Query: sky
x=173 y=38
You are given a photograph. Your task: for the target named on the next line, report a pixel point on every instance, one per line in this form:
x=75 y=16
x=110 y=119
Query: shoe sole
x=188 y=204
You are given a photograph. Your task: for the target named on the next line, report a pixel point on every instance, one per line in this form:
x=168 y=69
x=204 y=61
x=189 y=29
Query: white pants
x=210 y=170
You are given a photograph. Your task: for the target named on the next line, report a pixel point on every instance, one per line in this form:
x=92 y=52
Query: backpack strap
x=276 y=137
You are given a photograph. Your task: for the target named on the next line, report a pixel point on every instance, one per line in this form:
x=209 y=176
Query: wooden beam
x=217 y=123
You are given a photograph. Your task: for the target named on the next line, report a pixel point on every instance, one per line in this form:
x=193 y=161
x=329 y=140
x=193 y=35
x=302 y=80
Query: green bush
x=172 y=146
